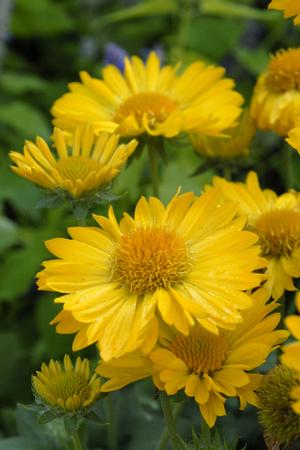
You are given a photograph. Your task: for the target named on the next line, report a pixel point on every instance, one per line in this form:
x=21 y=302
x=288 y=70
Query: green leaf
x=46 y=417
x=39 y=18
x=24 y=119
x=226 y=34
x=16 y=443
x=229 y=8
x=18 y=84
x=9 y=230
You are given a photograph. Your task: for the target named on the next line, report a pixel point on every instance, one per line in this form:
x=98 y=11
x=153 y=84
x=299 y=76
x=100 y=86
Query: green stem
x=288 y=158
x=154 y=170
x=227 y=172
x=169 y=420
x=164 y=440
x=111 y=429
x=77 y=445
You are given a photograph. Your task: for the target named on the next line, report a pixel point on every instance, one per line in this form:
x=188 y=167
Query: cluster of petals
x=152 y=100
x=290 y=8
x=276 y=221
x=185 y=263
x=84 y=162
x=209 y=369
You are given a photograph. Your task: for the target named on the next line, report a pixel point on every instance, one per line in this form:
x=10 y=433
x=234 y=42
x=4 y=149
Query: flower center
x=278 y=231
x=76 y=168
x=153 y=106
x=202 y=351
x=149 y=259
x=284 y=71
x=68 y=384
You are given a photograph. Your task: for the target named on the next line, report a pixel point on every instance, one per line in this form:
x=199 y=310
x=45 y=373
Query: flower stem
x=169 y=421
x=154 y=170
x=77 y=445
x=111 y=429
x=165 y=435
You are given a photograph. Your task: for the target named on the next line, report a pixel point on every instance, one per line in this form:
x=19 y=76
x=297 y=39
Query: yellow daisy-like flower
x=291 y=8
x=153 y=100
x=294 y=136
x=235 y=144
x=90 y=163
x=276 y=221
x=208 y=367
x=66 y=387
x=189 y=261
x=276 y=100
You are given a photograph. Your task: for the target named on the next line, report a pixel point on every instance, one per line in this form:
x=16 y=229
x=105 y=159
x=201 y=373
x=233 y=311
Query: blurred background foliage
x=43 y=46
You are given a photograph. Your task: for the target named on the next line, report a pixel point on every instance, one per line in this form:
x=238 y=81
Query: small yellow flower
x=90 y=163
x=66 y=387
x=276 y=221
x=184 y=263
x=291 y=8
x=276 y=100
x=208 y=367
x=276 y=413
x=152 y=100
x=235 y=144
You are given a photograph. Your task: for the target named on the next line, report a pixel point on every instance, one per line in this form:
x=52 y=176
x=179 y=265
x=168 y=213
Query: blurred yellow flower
x=66 y=387
x=276 y=100
x=185 y=263
x=235 y=144
x=208 y=367
x=276 y=413
x=90 y=163
x=291 y=8
x=152 y=100
x=276 y=221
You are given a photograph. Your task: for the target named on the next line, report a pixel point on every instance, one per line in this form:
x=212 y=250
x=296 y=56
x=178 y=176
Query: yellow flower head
x=149 y=99
x=185 y=263
x=291 y=8
x=208 y=367
x=276 y=414
x=276 y=221
x=291 y=352
x=236 y=142
x=89 y=164
x=276 y=100
x=66 y=387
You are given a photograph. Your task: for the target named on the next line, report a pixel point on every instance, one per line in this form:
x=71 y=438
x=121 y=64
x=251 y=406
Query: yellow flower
x=89 y=164
x=208 y=367
x=236 y=142
x=276 y=100
x=276 y=414
x=153 y=100
x=290 y=7
x=276 y=221
x=66 y=387
x=294 y=136
x=291 y=352
x=187 y=262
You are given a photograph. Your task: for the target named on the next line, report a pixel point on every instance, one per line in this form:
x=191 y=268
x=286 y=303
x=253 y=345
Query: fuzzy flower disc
x=188 y=262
